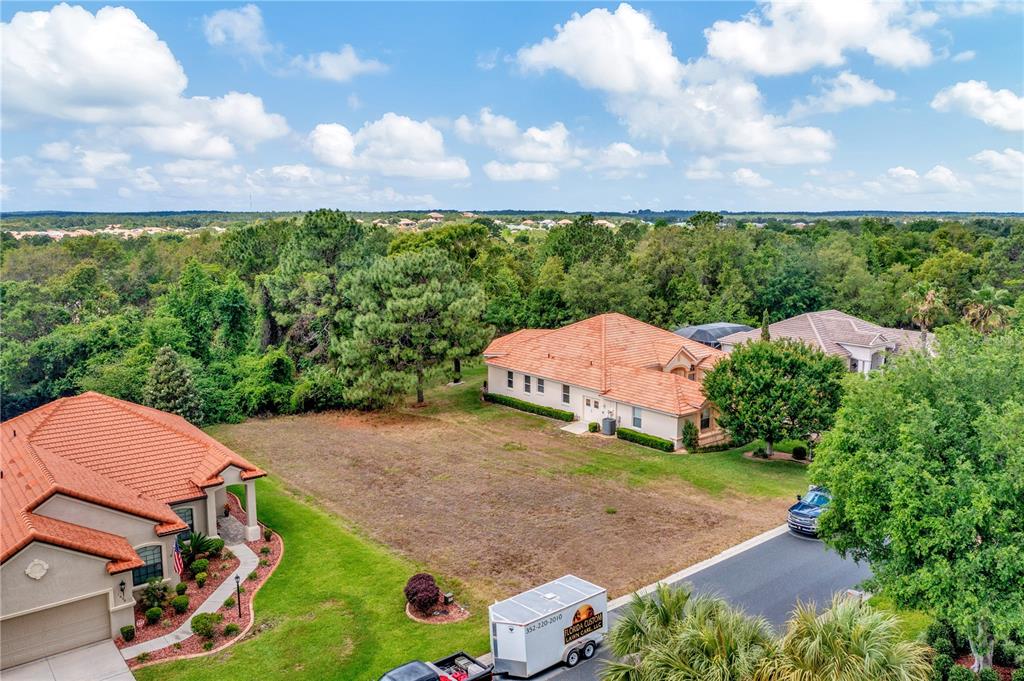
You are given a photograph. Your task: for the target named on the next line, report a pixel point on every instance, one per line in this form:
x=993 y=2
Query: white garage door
x=54 y=630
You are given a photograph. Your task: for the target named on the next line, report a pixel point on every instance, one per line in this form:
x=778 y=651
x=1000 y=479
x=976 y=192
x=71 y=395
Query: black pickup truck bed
x=456 y=667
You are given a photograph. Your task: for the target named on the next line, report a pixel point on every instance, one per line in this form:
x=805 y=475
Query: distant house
x=467 y=214
x=406 y=223
x=709 y=334
x=647 y=379
x=435 y=216
x=863 y=345
x=604 y=223
x=94 y=494
x=564 y=222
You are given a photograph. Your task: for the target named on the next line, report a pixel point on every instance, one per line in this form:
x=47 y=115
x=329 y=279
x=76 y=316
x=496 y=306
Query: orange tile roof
x=613 y=354
x=108 y=452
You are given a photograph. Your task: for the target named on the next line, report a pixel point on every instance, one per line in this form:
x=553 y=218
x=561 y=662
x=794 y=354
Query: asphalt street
x=767 y=579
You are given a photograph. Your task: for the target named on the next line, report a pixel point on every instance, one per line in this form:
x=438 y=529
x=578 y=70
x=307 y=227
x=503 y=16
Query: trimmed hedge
x=594 y=427
x=522 y=405
x=646 y=440
x=128 y=633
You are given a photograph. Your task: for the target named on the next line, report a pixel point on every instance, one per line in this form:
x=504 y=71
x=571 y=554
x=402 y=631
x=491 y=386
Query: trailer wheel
x=573 y=658
x=589 y=650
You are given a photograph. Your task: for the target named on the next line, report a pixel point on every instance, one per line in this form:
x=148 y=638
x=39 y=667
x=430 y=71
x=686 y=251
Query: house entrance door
x=592 y=409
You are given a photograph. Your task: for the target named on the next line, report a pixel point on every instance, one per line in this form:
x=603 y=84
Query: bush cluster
x=153 y=614
x=690 y=436
x=941 y=666
x=1018 y=675
x=201 y=579
x=128 y=633
x=958 y=673
x=180 y=588
x=422 y=592
x=229 y=602
x=645 y=439
x=155 y=594
x=199 y=565
x=988 y=675
x=216 y=547
x=180 y=604
x=799 y=452
x=594 y=427
x=230 y=629
x=522 y=405
x=205 y=624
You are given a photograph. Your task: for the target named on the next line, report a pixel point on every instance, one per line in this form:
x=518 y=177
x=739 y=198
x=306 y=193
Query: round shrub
x=205 y=624
x=216 y=547
x=799 y=452
x=594 y=427
x=180 y=604
x=229 y=602
x=201 y=579
x=943 y=646
x=199 y=566
x=1018 y=675
x=254 y=575
x=153 y=614
x=422 y=592
x=181 y=588
x=938 y=631
x=267 y=534
x=265 y=550
x=154 y=594
x=958 y=673
x=230 y=629
x=941 y=666
x=988 y=675
x=128 y=633
x=264 y=562
x=207 y=645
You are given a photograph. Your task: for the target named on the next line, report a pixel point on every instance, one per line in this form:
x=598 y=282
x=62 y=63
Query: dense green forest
x=320 y=310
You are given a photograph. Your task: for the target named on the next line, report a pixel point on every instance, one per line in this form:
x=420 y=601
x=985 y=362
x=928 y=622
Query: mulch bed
x=193 y=646
x=439 y=614
x=218 y=571
x=777 y=456
x=1005 y=673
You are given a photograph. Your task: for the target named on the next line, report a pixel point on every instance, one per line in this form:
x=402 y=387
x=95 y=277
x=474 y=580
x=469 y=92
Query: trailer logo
x=584 y=622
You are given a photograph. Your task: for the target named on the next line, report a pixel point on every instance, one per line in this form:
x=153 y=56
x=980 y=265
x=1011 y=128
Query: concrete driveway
x=96 y=662
x=768 y=579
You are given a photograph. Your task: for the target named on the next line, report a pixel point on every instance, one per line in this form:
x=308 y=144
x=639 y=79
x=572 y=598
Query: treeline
x=324 y=311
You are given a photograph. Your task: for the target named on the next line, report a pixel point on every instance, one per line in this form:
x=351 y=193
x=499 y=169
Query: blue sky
x=394 y=106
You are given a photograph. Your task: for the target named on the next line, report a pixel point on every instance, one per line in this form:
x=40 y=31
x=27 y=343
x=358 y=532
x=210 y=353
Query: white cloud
x=703 y=168
x=341 y=66
x=354 y=102
x=486 y=61
x=240 y=30
x=624 y=55
x=938 y=180
x=745 y=177
x=966 y=55
x=96 y=162
x=189 y=138
x=623 y=156
x=548 y=145
x=55 y=151
x=143 y=180
x=1005 y=169
x=845 y=91
x=785 y=37
x=52 y=182
x=999 y=108
x=520 y=171
x=244 y=115
x=393 y=145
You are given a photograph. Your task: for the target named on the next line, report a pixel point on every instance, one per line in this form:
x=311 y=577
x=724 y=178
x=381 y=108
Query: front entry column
x=252 y=526
x=211 y=513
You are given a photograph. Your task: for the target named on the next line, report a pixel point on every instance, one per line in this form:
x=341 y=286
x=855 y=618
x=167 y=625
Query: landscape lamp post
x=238 y=593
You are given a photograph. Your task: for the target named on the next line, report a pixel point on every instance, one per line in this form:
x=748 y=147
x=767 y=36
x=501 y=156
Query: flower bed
x=219 y=570
x=269 y=553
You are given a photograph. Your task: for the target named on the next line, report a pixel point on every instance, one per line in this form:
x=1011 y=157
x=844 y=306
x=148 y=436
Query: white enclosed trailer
x=561 y=621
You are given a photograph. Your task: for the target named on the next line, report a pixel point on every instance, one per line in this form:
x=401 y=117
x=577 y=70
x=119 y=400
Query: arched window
x=153 y=558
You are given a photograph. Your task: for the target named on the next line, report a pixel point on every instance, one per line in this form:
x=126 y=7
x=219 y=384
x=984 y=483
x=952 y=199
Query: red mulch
x=193 y=645
x=1004 y=672
x=218 y=571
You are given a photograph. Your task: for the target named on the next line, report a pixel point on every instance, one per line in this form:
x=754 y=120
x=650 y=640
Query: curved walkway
x=249 y=561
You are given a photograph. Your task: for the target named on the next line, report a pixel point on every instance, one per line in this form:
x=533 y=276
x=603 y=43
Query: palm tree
x=989 y=309
x=924 y=305
x=849 y=642
x=648 y=620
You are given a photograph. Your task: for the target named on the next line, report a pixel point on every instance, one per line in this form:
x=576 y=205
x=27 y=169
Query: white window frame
x=565 y=393
x=540 y=385
x=638 y=417
x=510 y=380
x=527 y=383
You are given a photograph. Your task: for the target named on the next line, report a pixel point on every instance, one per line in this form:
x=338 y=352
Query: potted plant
x=227 y=510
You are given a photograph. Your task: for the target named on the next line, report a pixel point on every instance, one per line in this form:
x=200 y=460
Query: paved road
x=767 y=580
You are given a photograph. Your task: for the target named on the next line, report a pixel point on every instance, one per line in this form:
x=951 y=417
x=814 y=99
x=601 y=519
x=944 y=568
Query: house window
x=186 y=515
x=540 y=385
x=153 y=558
x=526 y=383
x=565 y=394
x=705 y=418
x=692 y=375
x=588 y=401
x=853 y=364
x=638 y=421
x=509 y=380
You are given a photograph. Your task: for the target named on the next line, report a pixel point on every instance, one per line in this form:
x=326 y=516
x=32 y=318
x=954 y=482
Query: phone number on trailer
x=543 y=623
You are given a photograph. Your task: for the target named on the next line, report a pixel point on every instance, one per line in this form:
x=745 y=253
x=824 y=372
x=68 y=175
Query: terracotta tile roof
x=108 y=452
x=614 y=355
x=829 y=329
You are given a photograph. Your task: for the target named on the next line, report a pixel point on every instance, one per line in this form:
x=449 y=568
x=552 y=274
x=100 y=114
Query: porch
x=216 y=503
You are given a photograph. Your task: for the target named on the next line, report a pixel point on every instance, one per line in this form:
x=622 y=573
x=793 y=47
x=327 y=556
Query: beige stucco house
x=647 y=379
x=862 y=345
x=94 y=492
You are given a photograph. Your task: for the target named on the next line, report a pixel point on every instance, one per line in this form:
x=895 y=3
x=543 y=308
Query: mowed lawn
x=333 y=609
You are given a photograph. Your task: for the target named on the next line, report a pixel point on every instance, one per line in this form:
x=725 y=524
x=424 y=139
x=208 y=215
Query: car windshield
x=816 y=499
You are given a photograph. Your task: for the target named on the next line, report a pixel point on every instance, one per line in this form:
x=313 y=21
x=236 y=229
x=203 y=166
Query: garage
x=54 y=630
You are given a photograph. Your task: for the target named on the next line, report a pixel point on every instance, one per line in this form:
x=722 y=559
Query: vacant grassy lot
x=503 y=500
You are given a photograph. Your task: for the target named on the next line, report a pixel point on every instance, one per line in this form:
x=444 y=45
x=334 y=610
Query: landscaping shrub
x=594 y=427
x=940 y=667
x=422 y=592
x=229 y=602
x=265 y=550
x=645 y=440
x=988 y=675
x=180 y=588
x=958 y=673
x=197 y=544
x=201 y=579
x=142 y=657
x=318 y=388
x=216 y=548
x=230 y=629
x=154 y=594
x=938 y=631
x=180 y=604
x=799 y=452
x=204 y=624
x=943 y=646
x=254 y=575
x=1009 y=653
x=1018 y=675
x=208 y=645
x=153 y=614
x=199 y=566
x=760 y=453
x=690 y=436
x=264 y=562
x=128 y=633
x=522 y=405
x=267 y=534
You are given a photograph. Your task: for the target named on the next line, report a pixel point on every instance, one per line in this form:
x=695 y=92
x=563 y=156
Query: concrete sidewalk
x=95 y=662
x=249 y=561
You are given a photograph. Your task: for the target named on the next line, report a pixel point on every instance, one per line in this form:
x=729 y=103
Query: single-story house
x=708 y=334
x=94 y=492
x=647 y=379
x=862 y=345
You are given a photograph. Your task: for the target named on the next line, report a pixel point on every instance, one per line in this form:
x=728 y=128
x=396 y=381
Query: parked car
x=457 y=667
x=803 y=515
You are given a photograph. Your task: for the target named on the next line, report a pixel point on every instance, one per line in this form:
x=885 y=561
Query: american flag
x=179 y=567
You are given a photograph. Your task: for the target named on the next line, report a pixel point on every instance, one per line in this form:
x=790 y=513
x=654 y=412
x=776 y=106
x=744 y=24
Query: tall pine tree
x=169 y=387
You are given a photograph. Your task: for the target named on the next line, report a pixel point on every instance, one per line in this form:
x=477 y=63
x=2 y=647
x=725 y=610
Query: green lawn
x=333 y=609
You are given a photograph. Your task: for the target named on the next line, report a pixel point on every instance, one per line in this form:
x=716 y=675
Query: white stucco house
x=94 y=492
x=647 y=379
x=862 y=345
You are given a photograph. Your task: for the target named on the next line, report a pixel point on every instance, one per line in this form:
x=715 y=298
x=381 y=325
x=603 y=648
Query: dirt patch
x=777 y=456
x=494 y=501
x=442 y=614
